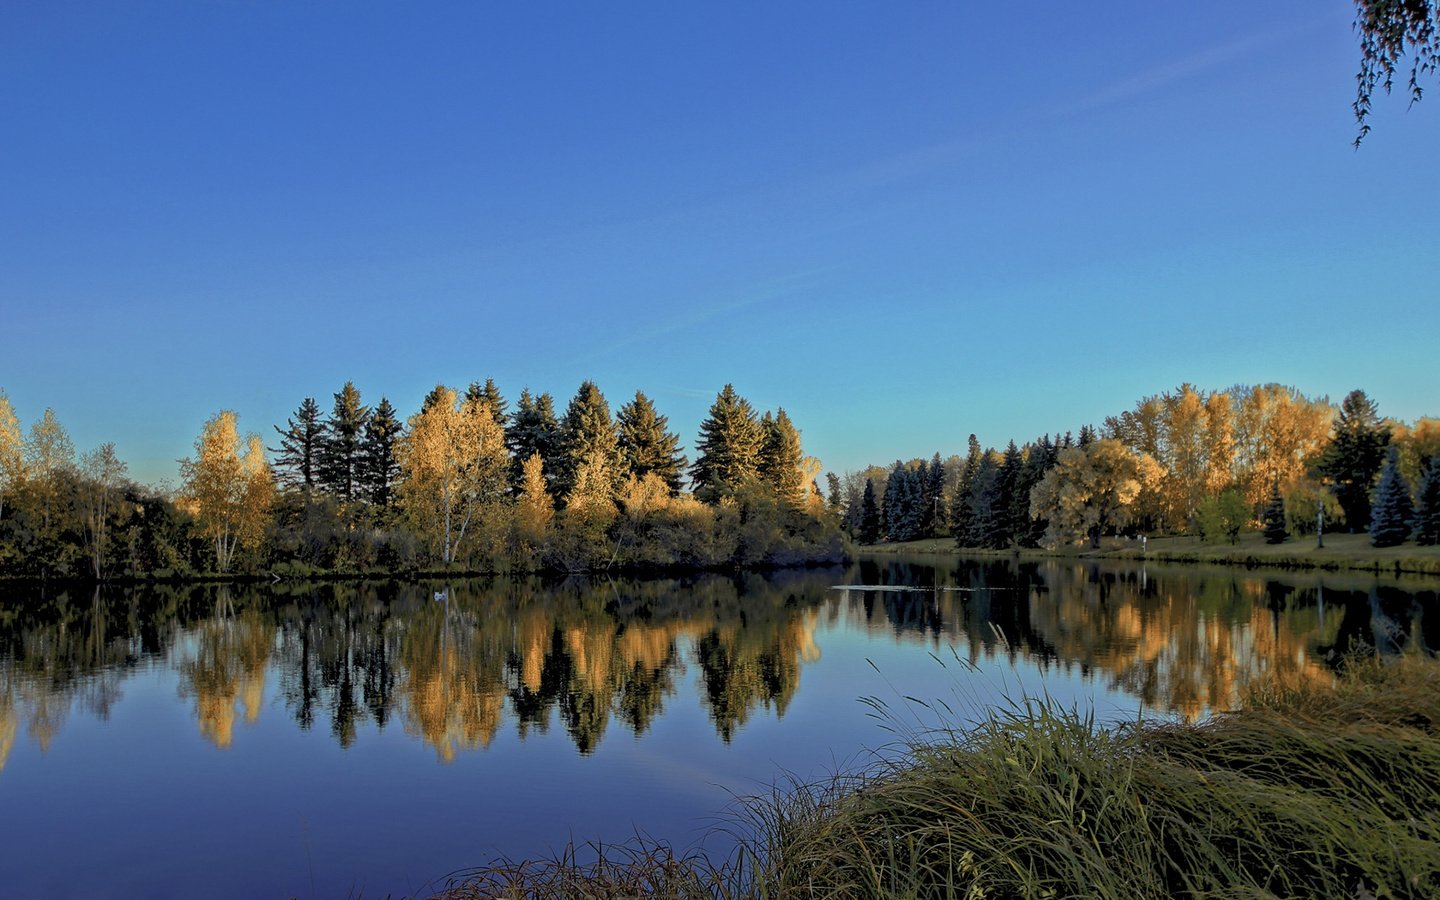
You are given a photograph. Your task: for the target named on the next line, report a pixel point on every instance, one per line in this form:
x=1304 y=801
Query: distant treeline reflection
x=454 y=662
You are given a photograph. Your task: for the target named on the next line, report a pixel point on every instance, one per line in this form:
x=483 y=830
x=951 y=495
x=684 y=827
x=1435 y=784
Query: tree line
x=463 y=483
x=1180 y=462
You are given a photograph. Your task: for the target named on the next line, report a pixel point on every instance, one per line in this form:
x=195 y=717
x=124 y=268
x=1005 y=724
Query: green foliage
x=587 y=431
x=728 y=448
x=869 y=516
x=298 y=457
x=534 y=430
x=779 y=462
x=1427 y=506
x=339 y=470
x=646 y=447
x=1353 y=457
x=379 y=467
x=1223 y=516
x=1390 y=519
x=1273 y=519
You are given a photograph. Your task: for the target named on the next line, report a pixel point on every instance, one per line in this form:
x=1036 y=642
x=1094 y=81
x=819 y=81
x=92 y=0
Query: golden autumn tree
x=534 y=509
x=1091 y=490
x=454 y=465
x=1277 y=431
x=228 y=492
x=12 y=459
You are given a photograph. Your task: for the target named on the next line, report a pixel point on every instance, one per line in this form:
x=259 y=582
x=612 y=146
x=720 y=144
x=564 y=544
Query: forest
x=1180 y=462
x=468 y=484
x=464 y=485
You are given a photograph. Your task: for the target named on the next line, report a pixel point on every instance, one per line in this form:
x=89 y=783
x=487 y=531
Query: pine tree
x=340 y=453
x=1273 y=518
x=729 y=447
x=588 y=436
x=645 y=446
x=1390 y=518
x=932 y=521
x=297 y=457
x=869 y=515
x=1353 y=457
x=960 y=503
x=1087 y=436
x=489 y=398
x=1427 y=507
x=985 y=529
x=779 y=463
x=834 y=499
x=1008 y=520
x=534 y=430
x=379 y=467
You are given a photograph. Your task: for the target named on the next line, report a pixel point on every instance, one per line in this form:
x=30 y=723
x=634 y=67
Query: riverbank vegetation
x=1306 y=790
x=1184 y=463
x=462 y=486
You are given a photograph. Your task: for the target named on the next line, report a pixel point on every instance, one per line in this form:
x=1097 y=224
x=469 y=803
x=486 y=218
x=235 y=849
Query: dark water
x=327 y=740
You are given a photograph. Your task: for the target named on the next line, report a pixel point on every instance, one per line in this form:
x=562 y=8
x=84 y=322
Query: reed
x=1304 y=791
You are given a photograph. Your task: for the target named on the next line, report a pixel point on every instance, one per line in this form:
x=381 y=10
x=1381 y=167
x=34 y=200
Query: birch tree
x=453 y=464
x=103 y=471
x=228 y=492
x=12 y=460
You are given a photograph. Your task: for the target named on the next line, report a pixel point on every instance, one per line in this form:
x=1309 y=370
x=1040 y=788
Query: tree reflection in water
x=593 y=655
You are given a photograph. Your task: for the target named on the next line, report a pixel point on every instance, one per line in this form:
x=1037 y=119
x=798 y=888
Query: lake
x=362 y=739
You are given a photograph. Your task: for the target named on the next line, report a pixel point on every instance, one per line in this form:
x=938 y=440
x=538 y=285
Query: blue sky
x=901 y=222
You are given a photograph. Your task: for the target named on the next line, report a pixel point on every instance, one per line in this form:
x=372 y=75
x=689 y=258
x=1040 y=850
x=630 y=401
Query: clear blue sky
x=902 y=222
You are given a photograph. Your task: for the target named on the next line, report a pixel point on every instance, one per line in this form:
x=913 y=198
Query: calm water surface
x=331 y=740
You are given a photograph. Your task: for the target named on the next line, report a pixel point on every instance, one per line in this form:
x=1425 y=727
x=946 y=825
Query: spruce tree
x=1008 y=521
x=1390 y=517
x=834 y=500
x=533 y=430
x=985 y=511
x=297 y=457
x=340 y=454
x=933 y=512
x=379 y=467
x=1273 y=518
x=1354 y=456
x=960 y=503
x=588 y=437
x=869 y=515
x=489 y=398
x=729 y=447
x=779 y=463
x=1427 y=507
x=645 y=446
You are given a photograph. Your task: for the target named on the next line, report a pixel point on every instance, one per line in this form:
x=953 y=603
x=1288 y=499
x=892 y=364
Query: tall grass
x=1304 y=792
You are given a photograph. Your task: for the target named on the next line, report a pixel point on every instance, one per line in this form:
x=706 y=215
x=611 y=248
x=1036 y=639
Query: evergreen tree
x=869 y=515
x=297 y=457
x=340 y=454
x=985 y=529
x=779 y=463
x=534 y=431
x=1353 y=457
x=1087 y=436
x=1008 y=520
x=1427 y=507
x=960 y=503
x=1039 y=459
x=932 y=522
x=489 y=398
x=588 y=437
x=896 y=507
x=645 y=446
x=1390 y=518
x=834 y=500
x=378 y=465
x=1273 y=519
x=729 y=447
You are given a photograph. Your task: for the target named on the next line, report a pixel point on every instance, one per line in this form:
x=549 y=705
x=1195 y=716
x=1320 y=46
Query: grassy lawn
x=1341 y=551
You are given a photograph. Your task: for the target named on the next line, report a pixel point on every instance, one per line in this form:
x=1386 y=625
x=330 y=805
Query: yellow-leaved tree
x=12 y=459
x=228 y=492
x=1091 y=490
x=453 y=465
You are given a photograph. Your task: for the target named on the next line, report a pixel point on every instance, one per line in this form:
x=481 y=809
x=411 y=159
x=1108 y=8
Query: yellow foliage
x=229 y=494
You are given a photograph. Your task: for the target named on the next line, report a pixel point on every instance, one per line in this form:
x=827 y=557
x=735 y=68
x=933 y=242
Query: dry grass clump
x=1304 y=792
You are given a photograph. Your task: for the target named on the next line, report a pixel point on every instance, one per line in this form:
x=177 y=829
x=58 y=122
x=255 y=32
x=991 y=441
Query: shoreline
x=1341 y=553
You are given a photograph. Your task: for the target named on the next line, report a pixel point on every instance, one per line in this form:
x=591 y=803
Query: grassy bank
x=1304 y=792
x=1342 y=552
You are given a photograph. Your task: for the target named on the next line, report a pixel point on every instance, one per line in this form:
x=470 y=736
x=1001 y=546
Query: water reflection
x=591 y=657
